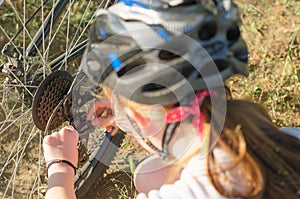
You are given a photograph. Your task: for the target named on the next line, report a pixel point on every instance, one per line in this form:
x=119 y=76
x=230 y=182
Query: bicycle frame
x=44 y=29
x=14 y=52
x=25 y=66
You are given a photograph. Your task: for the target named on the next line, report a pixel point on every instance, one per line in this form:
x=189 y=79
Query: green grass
x=273 y=37
x=272 y=32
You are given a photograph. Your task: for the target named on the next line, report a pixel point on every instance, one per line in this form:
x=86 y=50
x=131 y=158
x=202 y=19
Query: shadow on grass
x=113 y=185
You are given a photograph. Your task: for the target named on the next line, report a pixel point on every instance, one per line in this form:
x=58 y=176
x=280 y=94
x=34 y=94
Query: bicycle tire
x=20 y=141
x=98 y=165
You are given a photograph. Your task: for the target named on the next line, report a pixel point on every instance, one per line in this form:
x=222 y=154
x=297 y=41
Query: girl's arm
x=60 y=181
x=61 y=145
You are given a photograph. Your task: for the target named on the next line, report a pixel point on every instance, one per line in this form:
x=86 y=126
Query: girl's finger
x=108 y=129
x=69 y=133
x=99 y=104
x=103 y=121
x=50 y=140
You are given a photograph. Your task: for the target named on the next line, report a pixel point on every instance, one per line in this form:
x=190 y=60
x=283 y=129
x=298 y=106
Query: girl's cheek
x=155 y=129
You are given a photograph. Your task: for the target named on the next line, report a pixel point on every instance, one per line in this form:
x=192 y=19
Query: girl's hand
x=100 y=114
x=62 y=145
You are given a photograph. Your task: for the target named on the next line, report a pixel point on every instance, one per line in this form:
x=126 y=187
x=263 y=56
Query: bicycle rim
x=22 y=165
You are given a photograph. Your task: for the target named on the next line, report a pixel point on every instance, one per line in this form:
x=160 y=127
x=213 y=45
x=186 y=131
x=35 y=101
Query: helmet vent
x=167 y=55
x=233 y=33
x=152 y=87
x=221 y=65
x=207 y=31
x=131 y=68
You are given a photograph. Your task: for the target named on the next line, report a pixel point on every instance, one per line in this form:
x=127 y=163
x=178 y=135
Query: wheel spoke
x=26 y=30
x=63 y=39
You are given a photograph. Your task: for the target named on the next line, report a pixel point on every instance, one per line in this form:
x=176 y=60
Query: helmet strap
x=180 y=113
x=168 y=135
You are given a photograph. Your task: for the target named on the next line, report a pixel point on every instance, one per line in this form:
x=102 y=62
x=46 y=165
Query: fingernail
x=70 y=128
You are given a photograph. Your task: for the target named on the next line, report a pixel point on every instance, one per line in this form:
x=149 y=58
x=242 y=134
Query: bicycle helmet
x=163 y=52
x=154 y=51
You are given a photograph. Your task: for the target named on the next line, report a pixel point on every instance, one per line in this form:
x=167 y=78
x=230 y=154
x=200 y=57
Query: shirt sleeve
x=193 y=183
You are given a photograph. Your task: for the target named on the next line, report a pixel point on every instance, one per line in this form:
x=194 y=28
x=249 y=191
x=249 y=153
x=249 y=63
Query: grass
x=118 y=181
x=272 y=32
x=273 y=37
x=121 y=188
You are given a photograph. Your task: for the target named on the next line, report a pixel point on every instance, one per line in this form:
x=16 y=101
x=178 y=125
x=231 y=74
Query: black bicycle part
x=45 y=27
x=50 y=92
x=53 y=97
x=99 y=161
x=105 y=150
x=28 y=20
x=75 y=52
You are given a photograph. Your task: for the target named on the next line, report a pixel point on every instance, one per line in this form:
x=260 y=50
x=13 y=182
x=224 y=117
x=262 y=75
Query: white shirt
x=193 y=184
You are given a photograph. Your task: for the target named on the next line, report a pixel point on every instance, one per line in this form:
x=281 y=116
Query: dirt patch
x=272 y=34
x=20 y=169
x=113 y=185
x=273 y=38
x=271 y=31
x=118 y=181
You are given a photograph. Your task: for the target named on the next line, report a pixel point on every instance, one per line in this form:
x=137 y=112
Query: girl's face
x=147 y=122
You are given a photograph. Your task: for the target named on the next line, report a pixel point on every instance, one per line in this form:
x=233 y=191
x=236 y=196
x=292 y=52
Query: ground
x=271 y=31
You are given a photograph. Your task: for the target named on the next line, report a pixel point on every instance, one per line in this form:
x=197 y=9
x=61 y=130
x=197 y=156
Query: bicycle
x=24 y=67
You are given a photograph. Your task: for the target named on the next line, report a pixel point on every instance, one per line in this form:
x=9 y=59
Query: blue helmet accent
x=152 y=52
x=102 y=33
x=161 y=32
x=115 y=61
x=133 y=2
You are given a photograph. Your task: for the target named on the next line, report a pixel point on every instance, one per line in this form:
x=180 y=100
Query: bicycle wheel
x=59 y=40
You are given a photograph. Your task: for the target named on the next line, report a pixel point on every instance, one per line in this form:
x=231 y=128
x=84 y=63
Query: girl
x=161 y=67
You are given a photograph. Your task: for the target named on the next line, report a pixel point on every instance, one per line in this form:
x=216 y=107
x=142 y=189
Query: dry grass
x=271 y=31
x=272 y=34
